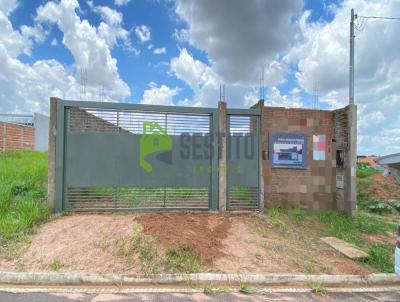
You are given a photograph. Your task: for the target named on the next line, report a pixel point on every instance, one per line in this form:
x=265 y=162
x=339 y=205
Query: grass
x=342 y=226
x=143 y=246
x=317 y=288
x=56 y=265
x=23 y=177
x=380 y=257
x=246 y=289
x=182 y=259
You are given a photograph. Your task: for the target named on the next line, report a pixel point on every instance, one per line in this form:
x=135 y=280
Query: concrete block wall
x=14 y=137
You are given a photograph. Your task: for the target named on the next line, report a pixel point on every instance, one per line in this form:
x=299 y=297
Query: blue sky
x=139 y=70
x=178 y=52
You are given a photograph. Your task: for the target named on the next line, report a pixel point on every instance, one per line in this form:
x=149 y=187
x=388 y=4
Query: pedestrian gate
x=243 y=160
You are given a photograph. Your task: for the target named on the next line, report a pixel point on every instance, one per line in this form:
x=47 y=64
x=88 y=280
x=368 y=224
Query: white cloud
x=240 y=36
x=205 y=84
x=110 y=29
x=8 y=6
x=54 y=42
x=27 y=87
x=109 y=15
x=90 y=47
x=121 y=2
x=322 y=56
x=276 y=99
x=158 y=51
x=143 y=33
x=162 y=95
x=198 y=76
x=181 y=35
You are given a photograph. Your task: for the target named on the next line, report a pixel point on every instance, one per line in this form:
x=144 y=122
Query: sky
x=178 y=52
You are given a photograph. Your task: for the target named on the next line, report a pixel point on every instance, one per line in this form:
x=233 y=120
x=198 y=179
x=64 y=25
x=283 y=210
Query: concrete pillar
x=260 y=105
x=222 y=184
x=51 y=184
x=350 y=187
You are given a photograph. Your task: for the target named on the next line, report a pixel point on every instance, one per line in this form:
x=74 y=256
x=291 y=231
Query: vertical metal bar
x=228 y=158
x=60 y=160
x=165 y=196
x=166 y=123
x=118 y=120
x=259 y=158
x=115 y=197
x=166 y=131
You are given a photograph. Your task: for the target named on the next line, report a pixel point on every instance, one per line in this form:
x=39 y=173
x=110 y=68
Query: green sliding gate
x=113 y=156
x=243 y=159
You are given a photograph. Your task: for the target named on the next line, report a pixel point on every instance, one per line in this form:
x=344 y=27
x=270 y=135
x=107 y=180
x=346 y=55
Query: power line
x=376 y=17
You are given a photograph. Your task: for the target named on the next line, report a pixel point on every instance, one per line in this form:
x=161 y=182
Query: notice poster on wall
x=319 y=147
x=288 y=150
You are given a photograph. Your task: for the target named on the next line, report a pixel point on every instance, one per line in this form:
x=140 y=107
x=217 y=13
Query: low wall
x=15 y=137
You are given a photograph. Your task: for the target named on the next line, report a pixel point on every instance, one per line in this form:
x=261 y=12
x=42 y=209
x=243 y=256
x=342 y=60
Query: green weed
x=296 y=214
x=380 y=257
x=144 y=246
x=23 y=178
x=317 y=288
x=181 y=259
x=55 y=265
x=246 y=289
x=275 y=214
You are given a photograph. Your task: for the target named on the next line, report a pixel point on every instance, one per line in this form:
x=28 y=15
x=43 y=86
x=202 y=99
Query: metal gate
x=243 y=159
x=126 y=156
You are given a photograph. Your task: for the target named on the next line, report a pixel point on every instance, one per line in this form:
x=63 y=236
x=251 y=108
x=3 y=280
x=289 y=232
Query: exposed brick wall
x=81 y=120
x=15 y=137
x=313 y=187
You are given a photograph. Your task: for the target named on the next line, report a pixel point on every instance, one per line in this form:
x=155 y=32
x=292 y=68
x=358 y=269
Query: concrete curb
x=113 y=279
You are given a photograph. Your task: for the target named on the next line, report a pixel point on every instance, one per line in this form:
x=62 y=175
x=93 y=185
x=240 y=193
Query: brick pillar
x=350 y=188
x=51 y=184
x=222 y=157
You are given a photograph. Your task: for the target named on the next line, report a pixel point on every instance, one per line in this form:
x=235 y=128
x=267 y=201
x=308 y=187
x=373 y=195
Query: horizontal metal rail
x=137 y=197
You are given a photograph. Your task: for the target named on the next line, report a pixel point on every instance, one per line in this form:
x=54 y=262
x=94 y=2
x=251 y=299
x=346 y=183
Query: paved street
x=167 y=297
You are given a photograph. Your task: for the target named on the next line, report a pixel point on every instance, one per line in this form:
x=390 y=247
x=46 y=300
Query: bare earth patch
x=383 y=188
x=81 y=243
x=255 y=246
x=203 y=232
x=228 y=243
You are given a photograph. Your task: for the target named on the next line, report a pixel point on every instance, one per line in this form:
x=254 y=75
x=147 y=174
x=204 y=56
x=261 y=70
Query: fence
x=112 y=156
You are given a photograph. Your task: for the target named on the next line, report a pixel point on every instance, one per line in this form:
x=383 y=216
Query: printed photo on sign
x=288 y=150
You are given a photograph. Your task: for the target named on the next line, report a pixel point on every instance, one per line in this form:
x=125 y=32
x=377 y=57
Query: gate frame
x=247 y=112
x=59 y=145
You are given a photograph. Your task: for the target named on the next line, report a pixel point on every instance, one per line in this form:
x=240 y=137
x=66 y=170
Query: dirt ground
x=229 y=243
x=383 y=188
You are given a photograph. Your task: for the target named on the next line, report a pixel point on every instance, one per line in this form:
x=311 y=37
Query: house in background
x=24 y=132
x=391 y=163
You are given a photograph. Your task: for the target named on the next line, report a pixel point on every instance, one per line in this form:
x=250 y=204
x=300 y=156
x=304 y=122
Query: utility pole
x=351 y=67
